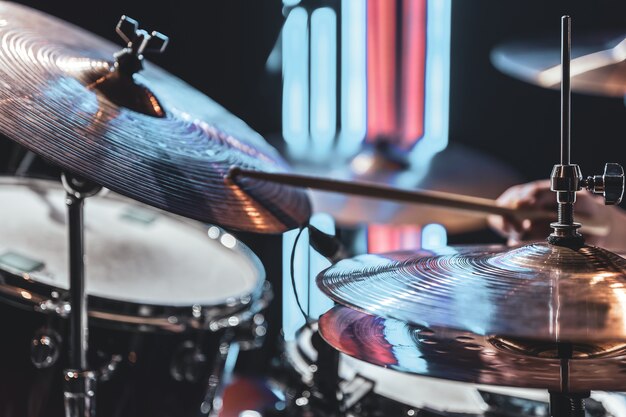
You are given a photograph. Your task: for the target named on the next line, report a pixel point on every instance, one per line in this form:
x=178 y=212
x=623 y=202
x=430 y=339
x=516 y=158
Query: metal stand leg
x=564 y=403
x=221 y=375
x=80 y=382
x=326 y=377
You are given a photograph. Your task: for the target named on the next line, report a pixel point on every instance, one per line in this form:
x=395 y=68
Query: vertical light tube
x=437 y=95
x=381 y=70
x=434 y=236
x=353 y=76
x=380 y=238
x=323 y=82
x=410 y=237
x=296 y=82
x=413 y=72
x=318 y=302
x=292 y=316
x=387 y=238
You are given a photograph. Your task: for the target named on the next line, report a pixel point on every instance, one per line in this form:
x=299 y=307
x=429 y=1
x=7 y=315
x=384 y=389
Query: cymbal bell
x=469 y=357
x=539 y=291
x=142 y=133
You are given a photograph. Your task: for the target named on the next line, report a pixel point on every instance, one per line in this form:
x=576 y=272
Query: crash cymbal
x=144 y=134
x=598 y=63
x=470 y=357
x=448 y=172
x=539 y=291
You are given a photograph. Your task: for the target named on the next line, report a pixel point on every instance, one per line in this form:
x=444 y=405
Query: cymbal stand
x=566 y=179
x=80 y=382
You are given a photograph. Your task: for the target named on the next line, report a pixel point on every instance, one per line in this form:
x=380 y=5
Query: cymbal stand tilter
x=80 y=381
x=566 y=179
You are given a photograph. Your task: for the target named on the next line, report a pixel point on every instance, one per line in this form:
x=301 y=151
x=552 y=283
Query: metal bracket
x=138 y=41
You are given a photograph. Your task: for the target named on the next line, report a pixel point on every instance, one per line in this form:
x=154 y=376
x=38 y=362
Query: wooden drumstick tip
x=233 y=172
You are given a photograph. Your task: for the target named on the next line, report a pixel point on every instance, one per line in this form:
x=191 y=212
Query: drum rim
x=16 y=288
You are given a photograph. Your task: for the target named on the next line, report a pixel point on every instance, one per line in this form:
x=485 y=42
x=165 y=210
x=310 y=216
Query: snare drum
x=166 y=298
x=370 y=390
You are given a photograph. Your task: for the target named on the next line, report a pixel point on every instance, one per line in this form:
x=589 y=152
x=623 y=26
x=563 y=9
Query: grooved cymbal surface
x=468 y=357
x=51 y=103
x=539 y=291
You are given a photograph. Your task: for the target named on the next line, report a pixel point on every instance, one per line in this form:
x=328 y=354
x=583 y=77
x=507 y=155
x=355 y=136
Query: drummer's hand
x=537 y=195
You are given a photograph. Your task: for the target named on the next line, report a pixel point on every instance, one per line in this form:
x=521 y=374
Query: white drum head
x=134 y=253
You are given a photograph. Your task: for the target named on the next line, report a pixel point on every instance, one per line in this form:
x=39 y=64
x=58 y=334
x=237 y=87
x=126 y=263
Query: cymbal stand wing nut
x=566 y=180
x=610 y=184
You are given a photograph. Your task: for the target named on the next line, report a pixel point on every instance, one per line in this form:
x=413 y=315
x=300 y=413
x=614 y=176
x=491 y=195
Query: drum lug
x=45 y=348
x=55 y=305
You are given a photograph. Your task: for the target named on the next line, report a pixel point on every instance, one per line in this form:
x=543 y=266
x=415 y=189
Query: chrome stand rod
x=80 y=382
x=78 y=297
x=566 y=90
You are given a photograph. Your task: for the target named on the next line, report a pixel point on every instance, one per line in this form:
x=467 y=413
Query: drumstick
x=385 y=192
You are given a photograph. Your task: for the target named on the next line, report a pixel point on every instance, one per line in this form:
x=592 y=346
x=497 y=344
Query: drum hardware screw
x=196 y=311
x=44 y=348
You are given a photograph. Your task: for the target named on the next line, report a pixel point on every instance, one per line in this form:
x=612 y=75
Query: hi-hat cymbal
x=469 y=357
x=539 y=291
x=598 y=63
x=457 y=169
x=147 y=135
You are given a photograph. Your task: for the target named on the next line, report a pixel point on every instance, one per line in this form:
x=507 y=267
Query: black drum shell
x=142 y=384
